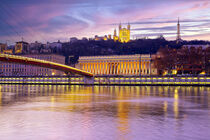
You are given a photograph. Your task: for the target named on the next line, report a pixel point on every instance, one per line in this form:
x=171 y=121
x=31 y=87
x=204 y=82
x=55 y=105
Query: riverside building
x=12 y=69
x=139 y=65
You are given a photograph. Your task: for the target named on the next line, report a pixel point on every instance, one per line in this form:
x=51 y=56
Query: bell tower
x=129 y=26
x=120 y=27
x=115 y=32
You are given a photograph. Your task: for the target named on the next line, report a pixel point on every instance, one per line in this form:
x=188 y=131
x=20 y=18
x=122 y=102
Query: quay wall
x=109 y=80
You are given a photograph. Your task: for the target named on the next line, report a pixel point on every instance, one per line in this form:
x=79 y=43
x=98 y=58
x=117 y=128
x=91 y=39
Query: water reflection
x=118 y=112
x=139 y=98
x=176 y=103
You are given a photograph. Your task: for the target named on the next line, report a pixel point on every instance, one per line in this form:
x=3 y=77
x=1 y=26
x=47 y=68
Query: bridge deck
x=42 y=63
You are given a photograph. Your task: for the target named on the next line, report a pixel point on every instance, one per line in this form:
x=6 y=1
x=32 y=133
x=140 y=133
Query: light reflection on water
x=92 y=113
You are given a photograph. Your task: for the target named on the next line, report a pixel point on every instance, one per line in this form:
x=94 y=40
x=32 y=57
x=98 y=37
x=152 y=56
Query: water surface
x=104 y=113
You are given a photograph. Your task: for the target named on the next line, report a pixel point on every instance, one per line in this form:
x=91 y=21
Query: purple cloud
x=50 y=20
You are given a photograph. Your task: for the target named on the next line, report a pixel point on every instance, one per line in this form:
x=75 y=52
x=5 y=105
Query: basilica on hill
x=124 y=34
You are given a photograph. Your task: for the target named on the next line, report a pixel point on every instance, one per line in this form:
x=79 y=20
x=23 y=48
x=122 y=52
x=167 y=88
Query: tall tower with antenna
x=178 y=38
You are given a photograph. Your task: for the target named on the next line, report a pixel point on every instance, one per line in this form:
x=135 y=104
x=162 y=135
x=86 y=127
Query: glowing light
x=176 y=103
x=174 y=72
x=203 y=73
x=165 y=107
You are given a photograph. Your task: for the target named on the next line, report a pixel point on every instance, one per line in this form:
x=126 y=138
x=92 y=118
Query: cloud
x=156 y=28
x=169 y=21
x=153 y=35
x=50 y=20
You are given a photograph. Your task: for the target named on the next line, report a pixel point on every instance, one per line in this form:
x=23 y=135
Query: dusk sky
x=52 y=20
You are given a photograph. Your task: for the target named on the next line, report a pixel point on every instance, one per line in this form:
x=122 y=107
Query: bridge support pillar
x=89 y=80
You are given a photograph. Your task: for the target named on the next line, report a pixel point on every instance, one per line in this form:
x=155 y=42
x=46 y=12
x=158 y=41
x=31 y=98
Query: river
x=61 y=112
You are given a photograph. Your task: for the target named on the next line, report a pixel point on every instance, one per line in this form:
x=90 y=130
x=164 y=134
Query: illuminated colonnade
x=117 y=65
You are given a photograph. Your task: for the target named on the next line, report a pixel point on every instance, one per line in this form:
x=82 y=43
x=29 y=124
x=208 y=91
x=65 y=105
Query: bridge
x=42 y=63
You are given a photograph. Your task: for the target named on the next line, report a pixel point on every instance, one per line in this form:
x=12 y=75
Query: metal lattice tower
x=178 y=38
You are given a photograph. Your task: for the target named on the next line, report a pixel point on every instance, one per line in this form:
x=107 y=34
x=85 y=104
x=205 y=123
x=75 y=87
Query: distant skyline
x=52 y=20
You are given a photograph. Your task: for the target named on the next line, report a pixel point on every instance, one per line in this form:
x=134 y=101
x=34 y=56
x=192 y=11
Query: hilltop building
x=99 y=38
x=105 y=38
x=124 y=34
x=123 y=37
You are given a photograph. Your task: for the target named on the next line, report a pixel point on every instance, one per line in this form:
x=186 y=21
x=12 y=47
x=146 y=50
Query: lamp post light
x=140 y=65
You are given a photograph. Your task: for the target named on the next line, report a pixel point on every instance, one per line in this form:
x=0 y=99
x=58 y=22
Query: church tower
x=120 y=27
x=178 y=38
x=129 y=26
x=124 y=34
x=115 y=37
x=115 y=32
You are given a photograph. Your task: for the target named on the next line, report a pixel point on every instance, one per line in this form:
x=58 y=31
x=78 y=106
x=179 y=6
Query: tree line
x=109 y=47
x=185 y=60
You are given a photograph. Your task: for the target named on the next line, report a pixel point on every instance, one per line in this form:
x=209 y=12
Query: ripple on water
x=104 y=113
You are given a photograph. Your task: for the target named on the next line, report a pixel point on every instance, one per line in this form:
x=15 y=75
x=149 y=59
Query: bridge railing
x=42 y=63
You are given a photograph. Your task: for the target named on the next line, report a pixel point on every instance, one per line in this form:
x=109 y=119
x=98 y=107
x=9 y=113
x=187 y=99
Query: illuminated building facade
x=124 y=34
x=117 y=65
x=12 y=69
x=21 y=47
x=99 y=38
x=2 y=47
